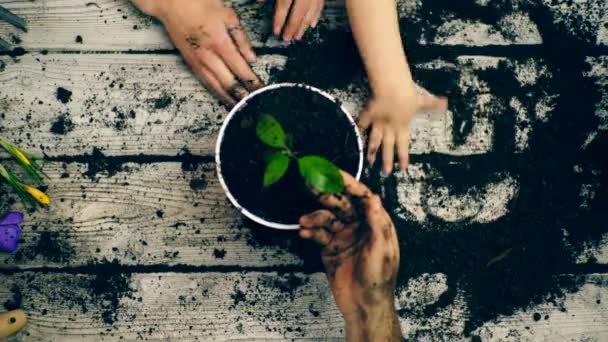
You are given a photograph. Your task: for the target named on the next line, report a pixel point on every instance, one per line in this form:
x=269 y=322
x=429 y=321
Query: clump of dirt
x=97 y=162
x=52 y=246
x=62 y=125
x=162 y=102
x=108 y=287
x=219 y=253
x=15 y=302
x=63 y=95
x=325 y=58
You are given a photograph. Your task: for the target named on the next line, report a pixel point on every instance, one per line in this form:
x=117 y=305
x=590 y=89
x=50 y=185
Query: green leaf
x=269 y=130
x=277 y=164
x=322 y=174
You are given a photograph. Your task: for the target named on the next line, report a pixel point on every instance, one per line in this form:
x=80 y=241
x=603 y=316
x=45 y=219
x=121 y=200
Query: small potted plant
x=278 y=143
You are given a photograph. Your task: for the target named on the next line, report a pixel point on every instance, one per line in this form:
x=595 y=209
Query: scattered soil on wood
x=62 y=125
x=64 y=95
x=51 y=246
x=548 y=221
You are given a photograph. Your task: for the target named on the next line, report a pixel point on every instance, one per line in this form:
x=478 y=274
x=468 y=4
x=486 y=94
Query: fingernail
x=314 y=24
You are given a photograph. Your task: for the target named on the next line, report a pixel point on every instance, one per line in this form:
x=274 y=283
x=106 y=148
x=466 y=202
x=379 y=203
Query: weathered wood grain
x=172 y=213
x=143 y=214
x=151 y=104
x=264 y=306
x=134 y=104
x=107 y=25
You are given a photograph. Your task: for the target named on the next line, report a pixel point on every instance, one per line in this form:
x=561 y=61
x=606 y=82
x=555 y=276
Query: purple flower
x=10 y=233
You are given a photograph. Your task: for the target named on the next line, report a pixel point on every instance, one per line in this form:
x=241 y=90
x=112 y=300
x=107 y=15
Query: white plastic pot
x=220 y=140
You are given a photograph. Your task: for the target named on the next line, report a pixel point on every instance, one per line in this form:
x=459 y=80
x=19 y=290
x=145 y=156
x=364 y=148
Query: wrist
x=370 y=311
x=379 y=322
x=390 y=88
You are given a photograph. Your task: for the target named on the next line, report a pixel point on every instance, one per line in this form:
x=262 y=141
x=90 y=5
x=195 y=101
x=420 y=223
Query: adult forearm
x=378 y=323
x=375 y=25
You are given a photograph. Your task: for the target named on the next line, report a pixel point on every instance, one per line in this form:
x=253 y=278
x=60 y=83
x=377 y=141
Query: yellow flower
x=19 y=155
x=40 y=196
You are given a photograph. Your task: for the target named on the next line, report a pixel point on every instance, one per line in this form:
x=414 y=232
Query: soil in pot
x=316 y=126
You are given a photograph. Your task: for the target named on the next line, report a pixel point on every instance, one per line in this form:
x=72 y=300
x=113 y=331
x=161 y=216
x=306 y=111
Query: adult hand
x=389 y=114
x=212 y=41
x=293 y=17
x=361 y=257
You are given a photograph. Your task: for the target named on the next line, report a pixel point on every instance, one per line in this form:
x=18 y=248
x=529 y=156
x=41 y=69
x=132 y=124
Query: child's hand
x=389 y=115
x=293 y=17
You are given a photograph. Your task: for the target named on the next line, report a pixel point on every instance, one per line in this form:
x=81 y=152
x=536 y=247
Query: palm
x=360 y=251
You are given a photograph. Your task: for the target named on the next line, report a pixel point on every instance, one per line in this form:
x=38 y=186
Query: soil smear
x=315 y=125
x=547 y=225
x=62 y=125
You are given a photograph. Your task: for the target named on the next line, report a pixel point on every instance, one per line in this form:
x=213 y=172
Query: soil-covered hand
x=361 y=257
x=212 y=41
x=389 y=115
x=293 y=17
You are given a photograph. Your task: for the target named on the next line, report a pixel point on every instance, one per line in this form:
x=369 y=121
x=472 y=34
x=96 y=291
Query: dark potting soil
x=62 y=125
x=316 y=126
x=517 y=260
x=63 y=95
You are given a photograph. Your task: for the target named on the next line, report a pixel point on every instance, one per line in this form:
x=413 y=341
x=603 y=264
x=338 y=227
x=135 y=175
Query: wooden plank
x=151 y=104
x=174 y=213
x=144 y=214
x=134 y=104
x=107 y=25
x=265 y=306
x=581 y=317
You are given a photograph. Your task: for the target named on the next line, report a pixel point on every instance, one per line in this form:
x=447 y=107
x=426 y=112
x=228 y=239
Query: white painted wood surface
x=106 y=88
x=107 y=217
x=235 y=306
x=107 y=25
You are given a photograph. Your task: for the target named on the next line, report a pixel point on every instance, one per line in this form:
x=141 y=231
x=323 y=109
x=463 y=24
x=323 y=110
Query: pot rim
x=232 y=113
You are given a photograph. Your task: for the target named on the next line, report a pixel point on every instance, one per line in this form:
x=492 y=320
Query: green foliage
x=31 y=164
x=277 y=164
x=270 y=131
x=317 y=171
x=321 y=174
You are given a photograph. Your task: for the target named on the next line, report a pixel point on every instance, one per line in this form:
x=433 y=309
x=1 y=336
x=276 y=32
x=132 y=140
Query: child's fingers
x=388 y=151
x=280 y=15
x=296 y=17
x=403 y=148
x=375 y=138
x=365 y=119
x=306 y=22
x=317 y=14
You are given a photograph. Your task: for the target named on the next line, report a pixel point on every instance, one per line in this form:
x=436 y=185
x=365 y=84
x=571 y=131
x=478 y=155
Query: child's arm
x=395 y=99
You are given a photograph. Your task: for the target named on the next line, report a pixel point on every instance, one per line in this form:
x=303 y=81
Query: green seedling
x=317 y=171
